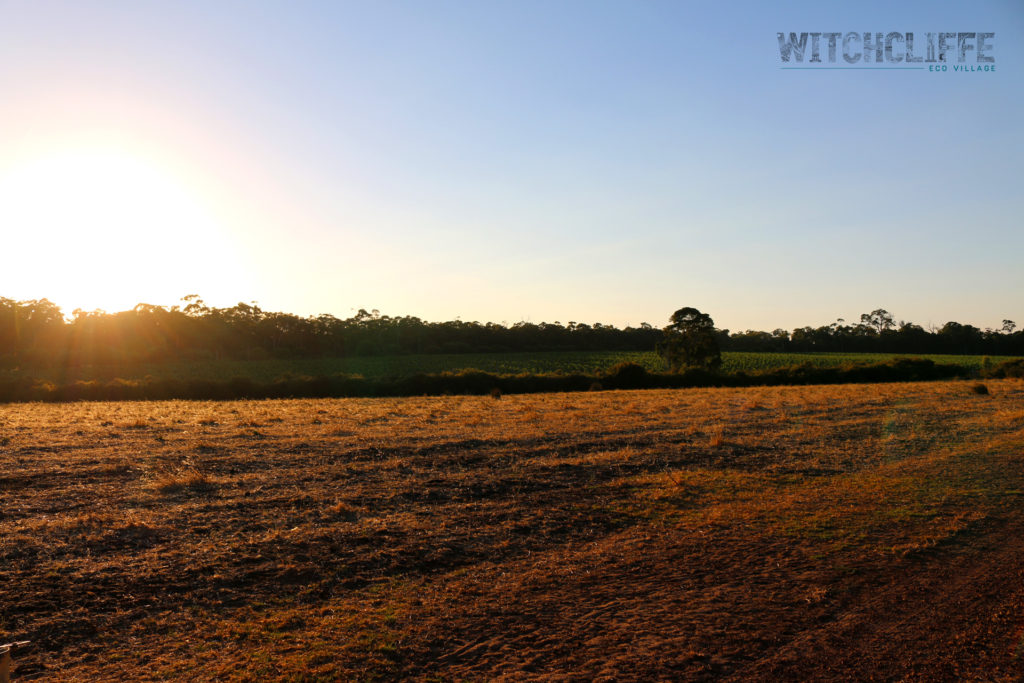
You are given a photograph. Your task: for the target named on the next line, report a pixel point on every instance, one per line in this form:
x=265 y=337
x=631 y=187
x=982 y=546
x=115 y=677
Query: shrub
x=626 y=376
x=1010 y=368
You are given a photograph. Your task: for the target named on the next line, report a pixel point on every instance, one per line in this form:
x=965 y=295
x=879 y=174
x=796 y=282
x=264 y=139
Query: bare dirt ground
x=860 y=532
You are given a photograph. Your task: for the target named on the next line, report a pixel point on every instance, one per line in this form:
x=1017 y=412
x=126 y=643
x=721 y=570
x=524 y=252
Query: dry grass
x=183 y=480
x=757 y=534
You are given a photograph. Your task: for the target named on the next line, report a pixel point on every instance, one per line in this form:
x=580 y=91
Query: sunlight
x=105 y=228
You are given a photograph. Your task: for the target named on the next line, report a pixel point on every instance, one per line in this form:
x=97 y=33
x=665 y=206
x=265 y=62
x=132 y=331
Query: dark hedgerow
x=622 y=376
x=1010 y=368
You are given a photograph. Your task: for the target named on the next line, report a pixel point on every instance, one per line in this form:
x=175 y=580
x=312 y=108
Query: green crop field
x=379 y=367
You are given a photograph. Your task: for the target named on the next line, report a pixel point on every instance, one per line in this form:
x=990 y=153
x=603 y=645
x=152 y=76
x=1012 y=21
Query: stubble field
x=841 y=532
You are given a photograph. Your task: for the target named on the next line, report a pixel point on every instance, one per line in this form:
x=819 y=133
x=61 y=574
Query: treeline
x=878 y=332
x=36 y=331
x=623 y=376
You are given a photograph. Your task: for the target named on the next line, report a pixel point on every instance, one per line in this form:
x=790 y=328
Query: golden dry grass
x=625 y=535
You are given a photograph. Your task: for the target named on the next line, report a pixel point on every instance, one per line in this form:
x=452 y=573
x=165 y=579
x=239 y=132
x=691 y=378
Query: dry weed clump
x=189 y=480
x=343 y=511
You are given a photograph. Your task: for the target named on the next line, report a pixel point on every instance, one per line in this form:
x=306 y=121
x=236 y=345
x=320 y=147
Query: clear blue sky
x=499 y=161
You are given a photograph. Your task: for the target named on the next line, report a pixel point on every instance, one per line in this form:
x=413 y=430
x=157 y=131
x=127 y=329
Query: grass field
x=782 y=533
x=379 y=367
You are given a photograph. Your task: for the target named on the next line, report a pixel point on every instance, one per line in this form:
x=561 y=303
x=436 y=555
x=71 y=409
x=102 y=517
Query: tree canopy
x=689 y=341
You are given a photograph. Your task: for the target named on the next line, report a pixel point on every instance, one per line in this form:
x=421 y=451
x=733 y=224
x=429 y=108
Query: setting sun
x=105 y=228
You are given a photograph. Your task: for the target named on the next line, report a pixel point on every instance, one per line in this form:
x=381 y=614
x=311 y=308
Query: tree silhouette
x=879 y=319
x=689 y=341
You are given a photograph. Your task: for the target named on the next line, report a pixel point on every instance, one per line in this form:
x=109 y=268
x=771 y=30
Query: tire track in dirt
x=955 y=615
x=648 y=604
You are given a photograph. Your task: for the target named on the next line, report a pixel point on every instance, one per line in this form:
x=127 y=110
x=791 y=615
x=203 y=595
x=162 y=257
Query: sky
x=588 y=161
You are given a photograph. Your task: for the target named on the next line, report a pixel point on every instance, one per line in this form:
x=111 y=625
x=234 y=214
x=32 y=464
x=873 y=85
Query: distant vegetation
x=624 y=375
x=37 y=333
x=397 y=366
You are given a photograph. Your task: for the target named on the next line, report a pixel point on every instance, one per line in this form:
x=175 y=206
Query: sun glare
x=103 y=228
